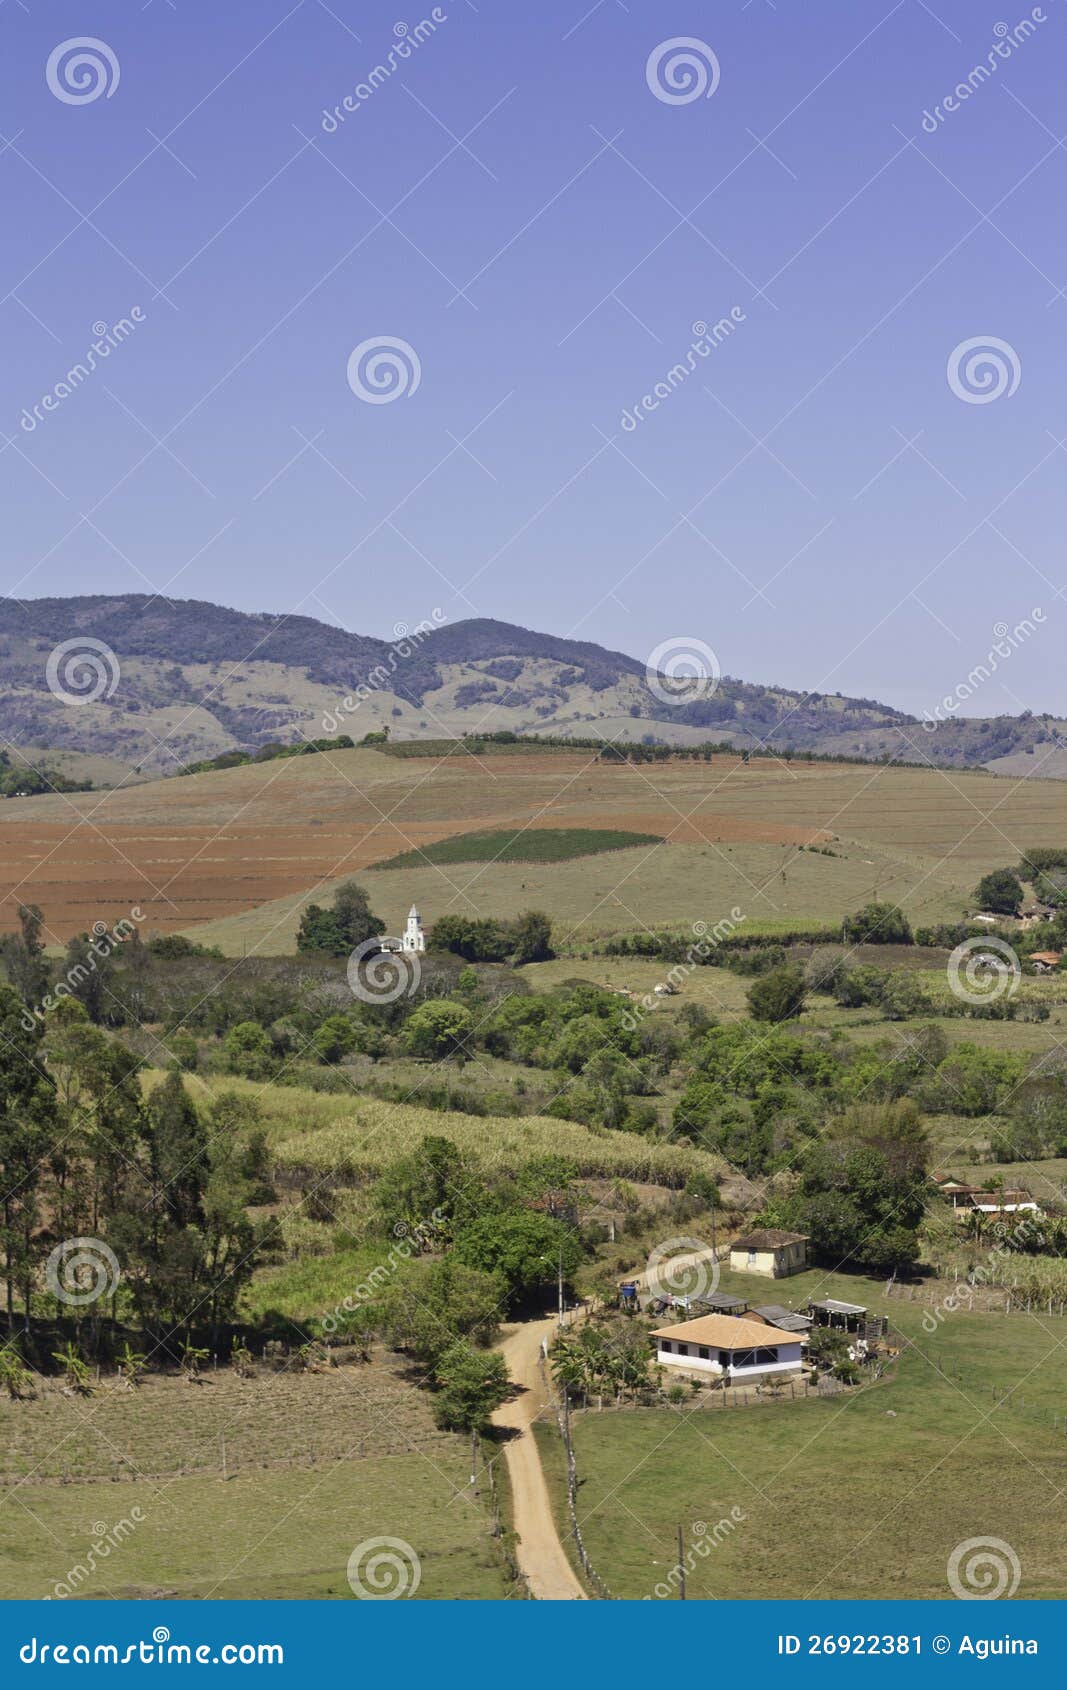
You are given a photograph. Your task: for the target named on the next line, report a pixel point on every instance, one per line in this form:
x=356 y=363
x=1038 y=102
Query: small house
x=727 y=1347
x=1046 y=962
x=770 y=1252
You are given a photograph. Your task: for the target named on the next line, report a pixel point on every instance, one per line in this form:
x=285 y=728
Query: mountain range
x=168 y=683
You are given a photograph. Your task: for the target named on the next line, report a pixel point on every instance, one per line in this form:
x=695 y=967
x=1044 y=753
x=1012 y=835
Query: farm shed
x=727 y=1347
x=786 y=1320
x=720 y=1302
x=770 y=1252
x=845 y=1317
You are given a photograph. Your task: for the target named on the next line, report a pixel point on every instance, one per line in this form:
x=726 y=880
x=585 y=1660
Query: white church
x=413 y=939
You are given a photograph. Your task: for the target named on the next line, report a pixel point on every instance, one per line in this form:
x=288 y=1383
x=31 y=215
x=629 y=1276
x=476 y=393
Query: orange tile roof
x=721 y=1332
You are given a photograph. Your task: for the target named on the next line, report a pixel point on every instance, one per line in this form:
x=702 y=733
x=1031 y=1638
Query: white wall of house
x=771 y=1264
x=788 y=1360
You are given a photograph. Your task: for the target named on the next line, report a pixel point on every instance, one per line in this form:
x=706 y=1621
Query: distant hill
x=197 y=679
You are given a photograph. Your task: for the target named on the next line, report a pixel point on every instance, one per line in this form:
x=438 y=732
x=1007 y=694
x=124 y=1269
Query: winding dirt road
x=539 y=1552
x=541 y=1556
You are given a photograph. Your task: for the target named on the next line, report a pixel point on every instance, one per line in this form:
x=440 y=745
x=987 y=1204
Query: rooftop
x=832 y=1306
x=769 y=1238
x=786 y=1319
x=719 y=1332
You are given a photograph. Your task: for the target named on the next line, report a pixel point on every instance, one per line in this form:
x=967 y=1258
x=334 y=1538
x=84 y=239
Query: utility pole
x=681 y=1568
x=560 y=1282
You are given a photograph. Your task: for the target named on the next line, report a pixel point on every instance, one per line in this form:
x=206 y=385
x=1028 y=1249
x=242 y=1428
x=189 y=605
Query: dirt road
x=539 y=1552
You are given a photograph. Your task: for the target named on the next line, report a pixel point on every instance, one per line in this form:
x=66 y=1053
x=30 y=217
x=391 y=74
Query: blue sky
x=515 y=203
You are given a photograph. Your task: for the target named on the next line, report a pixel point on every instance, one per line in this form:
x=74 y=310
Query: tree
x=27 y=1108
x=336 y=931
x=877 y=924
x=426 y=1186
x=526 y=1248
x=777 y=995
x=438 y=1029
x=178 y=1151
x=23 y=956
x=427 y=1305
x=1000 y=892
x=532 y=937
x=471 y=1384
x=334 y=1039
x=249 y=1051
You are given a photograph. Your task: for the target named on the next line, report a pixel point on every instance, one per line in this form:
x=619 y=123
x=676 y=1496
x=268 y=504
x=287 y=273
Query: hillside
x=191 y=680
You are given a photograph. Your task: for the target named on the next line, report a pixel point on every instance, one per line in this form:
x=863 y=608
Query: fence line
x=563 y=1421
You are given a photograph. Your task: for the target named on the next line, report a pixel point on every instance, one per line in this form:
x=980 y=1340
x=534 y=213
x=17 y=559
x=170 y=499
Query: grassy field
x=354 y=1138
x=202 y=851
x=864 y=1495
x=315 y=1465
